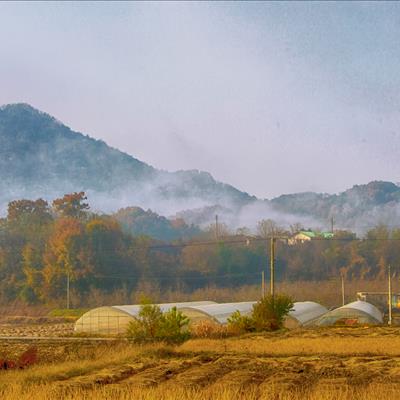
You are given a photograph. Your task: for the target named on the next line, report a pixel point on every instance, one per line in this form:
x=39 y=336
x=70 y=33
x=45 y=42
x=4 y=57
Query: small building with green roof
x=306 y=236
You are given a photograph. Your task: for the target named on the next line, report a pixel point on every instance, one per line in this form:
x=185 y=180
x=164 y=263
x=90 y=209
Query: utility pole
x=216 y=227
x=342 y=277
x=68 y=290
x=272 y=266
x=262 y=284
x=390 y=297
x=332 y=222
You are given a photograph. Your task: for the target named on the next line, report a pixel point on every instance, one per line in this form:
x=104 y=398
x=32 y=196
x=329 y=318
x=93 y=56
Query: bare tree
x=296 y=228
x=243 y=231
x=268 y=227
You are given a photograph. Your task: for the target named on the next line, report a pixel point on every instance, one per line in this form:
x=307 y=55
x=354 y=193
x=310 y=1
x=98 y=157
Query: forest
x=43 y=246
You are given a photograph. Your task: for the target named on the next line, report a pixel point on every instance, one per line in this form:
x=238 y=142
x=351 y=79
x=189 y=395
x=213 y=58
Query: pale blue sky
x=270 y=97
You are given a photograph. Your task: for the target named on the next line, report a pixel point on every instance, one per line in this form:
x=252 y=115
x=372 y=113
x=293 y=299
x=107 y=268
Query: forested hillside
x=41 y=157
x=357 y=208
x=136 y=221
x=43 y=245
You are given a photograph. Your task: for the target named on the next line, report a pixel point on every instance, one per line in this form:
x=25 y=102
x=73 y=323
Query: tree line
x=42 y=246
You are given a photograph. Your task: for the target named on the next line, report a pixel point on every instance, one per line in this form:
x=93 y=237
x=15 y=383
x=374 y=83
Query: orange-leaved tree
x=63 y=257
x=71 y=205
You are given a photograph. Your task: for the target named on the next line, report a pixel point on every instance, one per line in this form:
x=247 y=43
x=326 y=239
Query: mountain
x=358 y=208
x=41 y=157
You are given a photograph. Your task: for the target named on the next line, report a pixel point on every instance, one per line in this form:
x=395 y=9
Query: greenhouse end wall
x=356 y=313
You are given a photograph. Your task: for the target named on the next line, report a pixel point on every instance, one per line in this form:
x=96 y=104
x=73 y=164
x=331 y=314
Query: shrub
x=270 y=312
x=154 y=325
x=147 y=325
x=210 y=330
x=240 y=323
x=267 y=315
x=174 y=326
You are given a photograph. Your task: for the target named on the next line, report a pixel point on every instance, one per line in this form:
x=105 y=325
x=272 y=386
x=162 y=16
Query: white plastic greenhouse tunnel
x=114 y=320
x=216 y=313
x=304 y=313
x=355 y=313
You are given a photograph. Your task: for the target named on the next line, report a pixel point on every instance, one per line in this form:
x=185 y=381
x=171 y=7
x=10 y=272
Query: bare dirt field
x=336 y=363
x=36 y=326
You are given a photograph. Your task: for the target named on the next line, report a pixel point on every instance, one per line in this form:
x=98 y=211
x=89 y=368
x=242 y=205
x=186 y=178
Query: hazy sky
x=270 y=97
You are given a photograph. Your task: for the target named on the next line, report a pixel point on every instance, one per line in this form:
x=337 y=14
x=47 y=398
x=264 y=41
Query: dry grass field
x=316 y=364
x=338 y=363
x=327 y=293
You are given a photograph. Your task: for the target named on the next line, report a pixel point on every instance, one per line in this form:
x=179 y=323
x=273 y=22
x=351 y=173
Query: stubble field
x=334 y=363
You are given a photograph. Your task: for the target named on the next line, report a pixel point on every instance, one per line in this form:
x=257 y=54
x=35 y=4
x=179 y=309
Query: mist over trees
x=136 y=221
x=42 y=245
x=42 y=158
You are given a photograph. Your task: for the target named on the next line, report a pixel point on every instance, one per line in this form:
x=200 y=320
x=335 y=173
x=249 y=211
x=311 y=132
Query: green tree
x=174 y=327
x=269 y=313
x=147 y=325
x=241 y=323
x=154 y=325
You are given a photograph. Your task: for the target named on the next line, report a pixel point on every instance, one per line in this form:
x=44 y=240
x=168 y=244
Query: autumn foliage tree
x=71 y=205
x=40 y=246
x=62 y=257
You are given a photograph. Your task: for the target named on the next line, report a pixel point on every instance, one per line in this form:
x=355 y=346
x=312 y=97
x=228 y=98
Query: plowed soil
x=324 y=361
x=288 y=374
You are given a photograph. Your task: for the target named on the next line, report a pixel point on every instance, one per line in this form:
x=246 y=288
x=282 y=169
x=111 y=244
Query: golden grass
x=298 y=346
x=326 y=292
x=80 y=362
x=324 y=364
x=47 y=392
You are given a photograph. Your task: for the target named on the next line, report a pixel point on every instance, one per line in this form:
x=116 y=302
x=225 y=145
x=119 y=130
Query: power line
x=205 y=277
x=247 y=242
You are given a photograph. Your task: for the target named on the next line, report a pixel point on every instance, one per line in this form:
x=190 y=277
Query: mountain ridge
x=38 y=152
x=42 y=157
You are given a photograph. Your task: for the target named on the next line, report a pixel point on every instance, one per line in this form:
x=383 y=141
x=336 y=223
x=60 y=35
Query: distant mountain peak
x=377 y=186
x=22 y=109
x=23 y=118
x=41 y=157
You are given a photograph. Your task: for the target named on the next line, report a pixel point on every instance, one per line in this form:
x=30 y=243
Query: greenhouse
x=216 y=313
x=356 y=313
x=114 y=320
x=304 y=313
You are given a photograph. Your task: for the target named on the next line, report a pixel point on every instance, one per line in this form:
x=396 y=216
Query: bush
x=267 y=315
x=154 y=325
x=210 y=330
x=147 y=325
x=270 y=312
x=174 y=326
x=240 y=323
